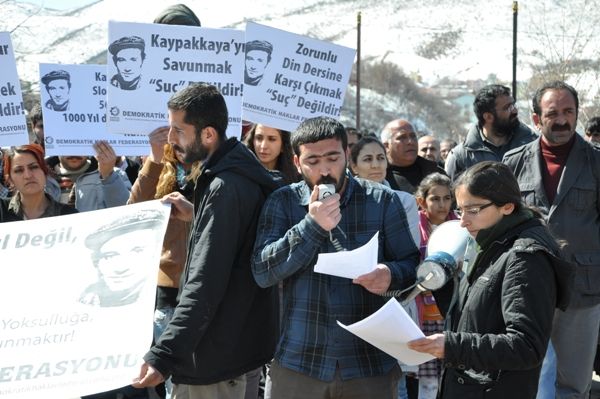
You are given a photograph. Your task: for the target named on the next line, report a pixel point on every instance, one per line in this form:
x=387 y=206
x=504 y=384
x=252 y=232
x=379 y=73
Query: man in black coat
x=224 y=325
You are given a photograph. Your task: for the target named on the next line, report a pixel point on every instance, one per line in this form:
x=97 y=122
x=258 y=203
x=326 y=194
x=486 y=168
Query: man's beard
x=504 y=128
x=327 y=180
x=197 y=151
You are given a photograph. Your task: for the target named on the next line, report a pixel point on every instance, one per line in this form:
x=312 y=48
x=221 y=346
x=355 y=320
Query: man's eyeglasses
x=472 y=210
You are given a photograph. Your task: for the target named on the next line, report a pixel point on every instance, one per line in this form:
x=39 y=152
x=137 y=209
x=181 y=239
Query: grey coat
x=474 y=150
x=574 y=216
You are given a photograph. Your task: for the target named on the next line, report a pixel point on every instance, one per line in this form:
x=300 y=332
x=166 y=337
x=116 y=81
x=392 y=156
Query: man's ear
x=297 y=163
x=209 y=136
x=536 y=120
x=488 y=117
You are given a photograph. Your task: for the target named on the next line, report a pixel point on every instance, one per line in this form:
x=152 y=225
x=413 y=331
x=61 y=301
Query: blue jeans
x=162 y=317
x=547 y=383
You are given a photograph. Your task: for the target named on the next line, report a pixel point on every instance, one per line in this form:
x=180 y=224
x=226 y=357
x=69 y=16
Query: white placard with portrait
x=13 y=126
x=289 y=77
x=78 y=297
x=147 y=63
x=74 y=109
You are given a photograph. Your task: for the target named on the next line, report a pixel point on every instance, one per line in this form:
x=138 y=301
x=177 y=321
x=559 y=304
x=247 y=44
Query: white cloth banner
x=74 y=98
x=289 y=78
x=76 y=300
x=147 y=63
x=13 y=127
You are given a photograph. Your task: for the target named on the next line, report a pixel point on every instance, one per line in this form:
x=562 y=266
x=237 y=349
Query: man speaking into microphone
x=316 y=358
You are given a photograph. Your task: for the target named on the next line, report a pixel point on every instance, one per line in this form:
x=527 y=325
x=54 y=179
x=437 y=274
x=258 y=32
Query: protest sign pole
x=514 y=66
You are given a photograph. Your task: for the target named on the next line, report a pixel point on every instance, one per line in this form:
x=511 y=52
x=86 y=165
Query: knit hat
x=178 y=14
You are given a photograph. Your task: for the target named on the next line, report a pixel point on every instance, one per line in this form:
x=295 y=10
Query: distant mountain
x=438 y=44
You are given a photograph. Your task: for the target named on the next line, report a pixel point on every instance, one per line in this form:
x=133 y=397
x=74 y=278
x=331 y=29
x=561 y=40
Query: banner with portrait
x=13 y=125
x=77 y=297
x=147 y=63
x=74 y=110
x=289 y=77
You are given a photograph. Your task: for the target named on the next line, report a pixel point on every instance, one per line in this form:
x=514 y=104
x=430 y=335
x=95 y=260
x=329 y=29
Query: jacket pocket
x=581 y=198
x=587 y=277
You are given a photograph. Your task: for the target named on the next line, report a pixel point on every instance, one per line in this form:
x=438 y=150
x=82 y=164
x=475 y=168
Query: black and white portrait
x=58 y=86
x=128 y=54
x=258 y=56
x=122 y=252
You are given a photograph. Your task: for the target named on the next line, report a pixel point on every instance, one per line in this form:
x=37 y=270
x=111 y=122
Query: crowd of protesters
x=240 y=313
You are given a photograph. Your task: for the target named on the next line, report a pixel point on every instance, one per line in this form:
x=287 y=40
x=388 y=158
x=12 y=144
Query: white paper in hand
x=389 y=329
x=350 y=264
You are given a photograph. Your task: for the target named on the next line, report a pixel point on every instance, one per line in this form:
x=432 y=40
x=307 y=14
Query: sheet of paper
x=389 y=329
x=350 y=264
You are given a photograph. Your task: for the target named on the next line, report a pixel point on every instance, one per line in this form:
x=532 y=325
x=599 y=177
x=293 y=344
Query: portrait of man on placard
x=128 y=55
x=122 y=251
x=258 y=56
x=58 y=86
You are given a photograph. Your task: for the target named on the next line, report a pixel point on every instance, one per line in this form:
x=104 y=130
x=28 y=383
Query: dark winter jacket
x=224 y=325
x=408 y=178
x=474 y=149
x=500 y=326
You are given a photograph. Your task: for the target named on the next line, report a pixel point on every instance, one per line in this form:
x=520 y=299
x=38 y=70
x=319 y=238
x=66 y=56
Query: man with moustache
x=497 y=131
x=315 y=357
x=559 y=174
x=406 y=168
x=224 y=324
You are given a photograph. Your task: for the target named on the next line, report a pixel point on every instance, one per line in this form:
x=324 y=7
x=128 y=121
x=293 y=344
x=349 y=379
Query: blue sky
x=59 y=4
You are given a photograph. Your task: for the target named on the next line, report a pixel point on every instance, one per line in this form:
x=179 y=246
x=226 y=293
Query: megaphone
x=446 y=249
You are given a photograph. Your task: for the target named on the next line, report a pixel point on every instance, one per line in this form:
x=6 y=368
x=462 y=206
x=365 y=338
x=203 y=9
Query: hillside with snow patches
x=473 y=38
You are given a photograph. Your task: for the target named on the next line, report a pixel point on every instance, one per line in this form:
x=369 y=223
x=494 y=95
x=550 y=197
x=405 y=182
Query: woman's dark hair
x=36 y=150
x=430 y=181
x=356 y=148
x=285 y=163
x=493 y=181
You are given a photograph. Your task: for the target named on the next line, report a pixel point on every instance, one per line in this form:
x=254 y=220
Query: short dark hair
x=35 y=115
x=554 y=85
x=203 y=105
x=493 y=181
x=355 y=151
x=316 y=129
x=593 y=126
x=485 y=100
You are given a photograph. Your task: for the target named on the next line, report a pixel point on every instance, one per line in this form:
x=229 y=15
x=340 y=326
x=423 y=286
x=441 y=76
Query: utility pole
x=514 y=66
x=358 y=22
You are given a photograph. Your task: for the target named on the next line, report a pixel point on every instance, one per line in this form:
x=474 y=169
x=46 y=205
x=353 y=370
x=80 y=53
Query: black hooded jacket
x=225 y=324
x=502 y=321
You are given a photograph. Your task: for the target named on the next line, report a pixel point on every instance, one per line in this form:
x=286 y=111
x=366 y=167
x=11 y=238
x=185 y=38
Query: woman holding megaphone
x=498 y=330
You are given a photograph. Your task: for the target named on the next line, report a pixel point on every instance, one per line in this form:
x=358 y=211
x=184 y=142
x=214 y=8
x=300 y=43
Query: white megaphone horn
x=445 y=250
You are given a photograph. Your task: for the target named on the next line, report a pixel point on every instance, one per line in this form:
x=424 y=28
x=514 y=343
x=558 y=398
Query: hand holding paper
x=350 y=264
x=390 y=329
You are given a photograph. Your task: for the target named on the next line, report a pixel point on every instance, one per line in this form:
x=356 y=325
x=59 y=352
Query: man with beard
x=224 y=325
x=559 y=174
x=316 y=358
x=497 y=131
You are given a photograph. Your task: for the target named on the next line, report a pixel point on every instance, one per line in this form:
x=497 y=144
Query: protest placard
x=13 y=125
x=77 y=295
x=289 y=78
x=74 y=110
x=149 y=62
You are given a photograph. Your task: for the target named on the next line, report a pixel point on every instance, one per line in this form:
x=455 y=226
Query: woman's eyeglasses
x=472 y=210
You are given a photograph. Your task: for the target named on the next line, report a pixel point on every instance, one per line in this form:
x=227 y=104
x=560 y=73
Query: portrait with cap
x=258 y=56
x=58 y=86
x=128 y=55
x=122 y=252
